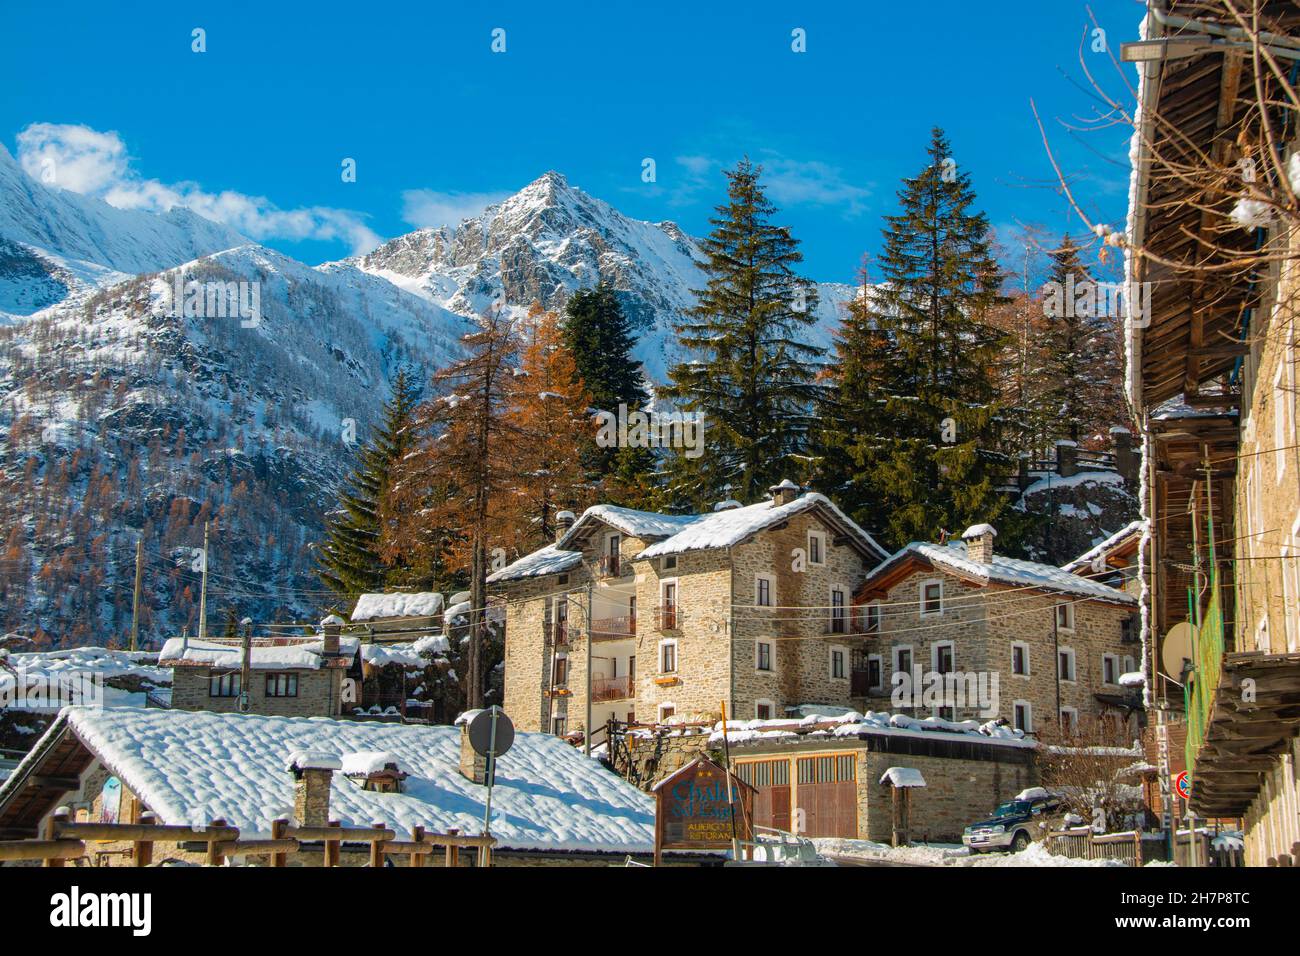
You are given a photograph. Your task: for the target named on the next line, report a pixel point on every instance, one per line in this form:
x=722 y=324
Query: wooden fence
x=1138 y=849
x=65 y=840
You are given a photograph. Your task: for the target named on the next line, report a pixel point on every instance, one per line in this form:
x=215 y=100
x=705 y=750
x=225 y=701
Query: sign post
x=491 y=734
x=696 y=809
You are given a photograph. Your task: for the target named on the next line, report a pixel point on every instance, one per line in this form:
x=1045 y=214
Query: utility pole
x=135 y=603
x=203 y=588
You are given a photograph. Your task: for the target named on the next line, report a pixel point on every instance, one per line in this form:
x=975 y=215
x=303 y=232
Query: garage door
x=828 y=795
x=771 y=778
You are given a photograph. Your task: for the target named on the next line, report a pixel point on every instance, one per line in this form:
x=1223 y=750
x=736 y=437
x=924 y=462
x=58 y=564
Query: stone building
x=829 y=778
x=960 y=632
x=290 y=677
x=674 y=616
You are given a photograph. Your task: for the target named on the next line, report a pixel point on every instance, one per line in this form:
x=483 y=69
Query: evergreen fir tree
x=1078 y=375
x=351 y=559
x=600 y=338
x=910 y=435
x=749 y=372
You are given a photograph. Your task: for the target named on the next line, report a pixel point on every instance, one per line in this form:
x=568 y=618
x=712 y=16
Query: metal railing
x=668 y=618
x=611 y=566
x=556 y=633
x=611 y=688
x=608 y=628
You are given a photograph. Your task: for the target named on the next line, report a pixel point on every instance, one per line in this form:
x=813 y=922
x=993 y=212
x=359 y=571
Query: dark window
x=763 y=711
x=837 y=663
x=557 y=726
x=764 y=656
x=223 y=685
x=1019 y=659
x=668 y=658
x=561 y=670
x=764 y=593
x=670 y=562
x=815 y=549
x=903 y=660
x=873 y=672
x=281 y=685
x=872 y=612
x=932 y=598
x=1108 y=670
x=838 y=619
x=1022 y=717
x=943 y=663
x=1067 y=665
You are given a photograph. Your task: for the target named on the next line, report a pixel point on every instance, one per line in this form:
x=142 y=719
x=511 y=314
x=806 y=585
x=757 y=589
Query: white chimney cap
x=1119 y=430
x=727 y=505
x=565 y=516
x=785 y=485
x=333 y=621
x=313 y=760
x=979 y=530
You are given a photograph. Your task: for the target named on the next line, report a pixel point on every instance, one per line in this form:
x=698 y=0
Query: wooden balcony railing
x=613 y=566
x=668 y=618
x=611 y=688
x=613 y=628
x=556 y=633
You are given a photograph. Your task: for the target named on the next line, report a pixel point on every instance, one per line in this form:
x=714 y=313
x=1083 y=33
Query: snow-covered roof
x=409 y=653
x=903 y=777
x=371 y=607
x=853 y=724
x=1133 y=528
x=543 y=561
x=195 y=765
x=1004 y=570
x=298 y=655
x=979 y=530
x=647 y=525
x=78 y=671
x=722 y=529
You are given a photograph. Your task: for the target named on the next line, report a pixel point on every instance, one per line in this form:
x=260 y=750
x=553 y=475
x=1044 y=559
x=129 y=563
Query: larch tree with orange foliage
x=550 y=413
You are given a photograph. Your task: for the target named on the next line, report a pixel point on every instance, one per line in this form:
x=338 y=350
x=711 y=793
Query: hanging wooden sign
x=696 y=810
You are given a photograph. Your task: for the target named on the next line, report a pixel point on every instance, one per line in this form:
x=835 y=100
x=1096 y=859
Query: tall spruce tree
x=351 y=559
x=748 y=371
x=1079 y=376
x=600 y=337
x=909 y=436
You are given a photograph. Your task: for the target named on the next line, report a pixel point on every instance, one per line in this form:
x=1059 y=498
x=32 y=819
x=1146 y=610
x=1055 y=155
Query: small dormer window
x=670 y=562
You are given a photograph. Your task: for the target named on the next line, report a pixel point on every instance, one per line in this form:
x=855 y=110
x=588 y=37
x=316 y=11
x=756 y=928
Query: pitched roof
x=195 y=765
x=543 y=561
x=1002 y=570
x=1116 y=540
x=372 y=607
x=722 y=529
x=647 y=525
x=275 y=654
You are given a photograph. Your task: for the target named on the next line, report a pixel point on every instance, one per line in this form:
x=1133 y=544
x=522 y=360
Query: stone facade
x=319 y=692
x=997 y=631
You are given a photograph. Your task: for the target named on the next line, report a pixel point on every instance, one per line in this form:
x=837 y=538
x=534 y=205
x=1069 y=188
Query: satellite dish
x=1177 y=648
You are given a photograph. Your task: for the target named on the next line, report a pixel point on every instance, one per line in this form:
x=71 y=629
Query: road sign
x=1183 y=785
x=481 y=736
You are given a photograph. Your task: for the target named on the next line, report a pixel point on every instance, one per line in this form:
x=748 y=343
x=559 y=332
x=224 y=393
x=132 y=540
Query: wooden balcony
x=668 y=618
x=612 y=688
x=613 y=566
x=613 y=628
x=556 y=633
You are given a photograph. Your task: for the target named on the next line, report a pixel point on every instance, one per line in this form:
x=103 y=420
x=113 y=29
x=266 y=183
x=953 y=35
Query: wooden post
x=214 y=847
x=417 y=836
x=376 y=851
x=453 y=851
x=332 y=848
x=277 y=833
x=142 y=850
x=901 y=808
x=52 y=824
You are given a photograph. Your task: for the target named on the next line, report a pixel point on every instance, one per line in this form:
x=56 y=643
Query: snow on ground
x=945 y=854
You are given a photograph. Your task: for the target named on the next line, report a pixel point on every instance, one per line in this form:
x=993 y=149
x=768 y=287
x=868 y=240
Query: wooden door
x=771 y=780
x=828 y=795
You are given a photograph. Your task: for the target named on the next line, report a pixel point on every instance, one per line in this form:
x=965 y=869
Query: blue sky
x=255 y=129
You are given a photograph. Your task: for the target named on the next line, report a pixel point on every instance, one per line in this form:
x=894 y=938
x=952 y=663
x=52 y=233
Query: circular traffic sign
x=1183 y=784
x=480 y=732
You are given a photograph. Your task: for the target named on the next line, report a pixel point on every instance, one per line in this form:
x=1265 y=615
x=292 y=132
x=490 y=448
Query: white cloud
x=428 y=207
x=95 y=163
x=789 y=182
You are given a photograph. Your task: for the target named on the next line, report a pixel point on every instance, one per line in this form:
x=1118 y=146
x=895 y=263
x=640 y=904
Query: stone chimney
x=473 y=765
x=1067 y=458
x=312 y=770
x=331 y=627
x=1126 y=462
x=563 y=522
x=979 y=542
x=729 y=505
x=784 y=493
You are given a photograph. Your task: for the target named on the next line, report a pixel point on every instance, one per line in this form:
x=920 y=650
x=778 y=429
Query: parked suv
x=1011 y=825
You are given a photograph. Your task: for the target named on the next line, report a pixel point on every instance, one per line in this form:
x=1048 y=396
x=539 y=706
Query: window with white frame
x=668 y=656
x=667 y=711
x=1065 y=663
x=764 y=588
x=762 y=655
x=816 y=547
x=764 y=709
x=1130 y=665
x=839 y=663
x=932 y=597
x=875 y=674
x=1065 y=616
x=1109 y=669
x=1070 y=720
x=668 y=604
x=1020 y=658
x=943 y=657
x=903 y=659
x=839 y=611
x=1023 y=716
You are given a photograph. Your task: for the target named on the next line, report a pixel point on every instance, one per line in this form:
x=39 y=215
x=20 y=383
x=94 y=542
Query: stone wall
x=319 y=693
